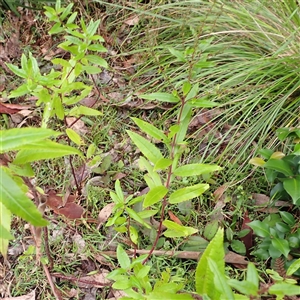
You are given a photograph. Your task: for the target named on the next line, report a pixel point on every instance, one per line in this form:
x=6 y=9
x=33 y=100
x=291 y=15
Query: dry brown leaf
x=30 y=296
x=77 y=125
x=71 y=210
x=104 y=214
x=96 y=280
x=174 y=218
x=132 y=21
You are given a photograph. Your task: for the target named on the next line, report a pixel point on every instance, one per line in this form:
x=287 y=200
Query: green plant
x=255 y=77
x=211 y=281
x=58 y=92
x=282 y=170
x=163 y=175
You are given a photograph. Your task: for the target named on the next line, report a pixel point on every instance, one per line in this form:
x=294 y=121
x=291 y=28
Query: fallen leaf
x=30 y=296
x=77 y=125
x=96 y=280
x=71 y=210
x=174 y=218
x=104 y=214
x=132 y=21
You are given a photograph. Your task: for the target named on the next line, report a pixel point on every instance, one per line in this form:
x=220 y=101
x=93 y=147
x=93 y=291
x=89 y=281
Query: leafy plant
x=211 y=281
x=162 y=171
x=282 y=170
x=58 y=92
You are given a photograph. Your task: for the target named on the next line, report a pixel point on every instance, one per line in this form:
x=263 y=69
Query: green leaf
x=148 y=149
x=188 y=193
x=43 y=150
x=5 y=236
x=281 y=245
x=220 y=280
x=211 y=229
x=196 y=169
x=155 y=195
x=13 y=139
x=252 y=275
x=204 y=276
x=202 y=103
x=151 y=130
x=244 y=287
x=288 y=218
x=284 y=289
x=123 y=258
x=15 y=200
x=137 y=217
x=74 y=136
x=97 y=47
x=162 y=164
x=19 y=72
x=84 y=110
x=178 y=54
x=97 y=60
x=193 y=92
x=292 y=187
x=91 y=70
x=261 y=229
x=162 y=97
x=20 y=91
x=257 y=161
x=147 y=213
x=295 y=266
x=238 y=246
x=279 y=166
x=176 y=230
x=23 y=170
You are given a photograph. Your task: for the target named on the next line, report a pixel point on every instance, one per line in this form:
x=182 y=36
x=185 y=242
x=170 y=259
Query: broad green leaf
x=188 y=193
x=84 y=110
x=123 y=258
x=176 y=230
x=244 y=287
x=23 y=170
x=196 y=169
x=292 y=187
x=184 y=123
x=238 y=246
x=252 y=275
x=277 y=155
x=155 y=195
x=92 y=69
x=155 y=295
x=20 y=91
x=13 y=139
x=202 y=103
x=15 y=200
x=178 y=54
x=5 y=236
x=97 y=60
x=162 y=97
x=74 y=136
x=261 y=229
x=281 y=245
x=287 y=217
x=220 y=280
x=43 y=150
x=162 y=164
x=284 y=289
x=257 y=161
x=151 y=130
x=204 y=277
x=149 y=150
x=136 y=217
x=147 y=213
x=97 y=47
x=279 y=166
x=92 y=27
x=211 y=229
x=193 y=92
x=19 y=72
x=293 y=267
x=186 y=87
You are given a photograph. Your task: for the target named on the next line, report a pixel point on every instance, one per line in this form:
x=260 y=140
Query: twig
x=53 y=288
